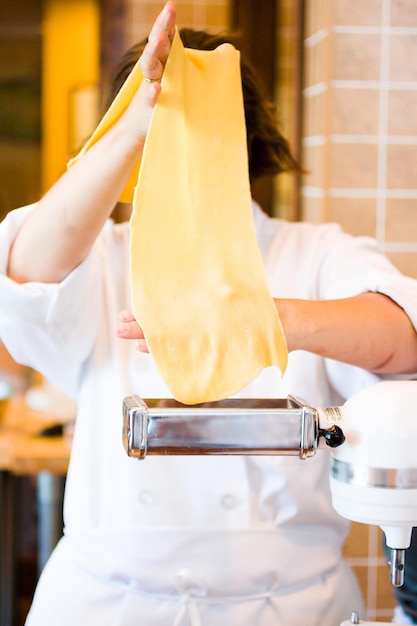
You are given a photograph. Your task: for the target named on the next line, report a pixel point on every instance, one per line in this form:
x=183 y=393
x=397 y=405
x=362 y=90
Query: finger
x=163 y=30
x=126 y=315
x=129 y=330
x=156 y=51
x=141 y=345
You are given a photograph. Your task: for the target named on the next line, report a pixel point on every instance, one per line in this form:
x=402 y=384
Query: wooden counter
x=22 y=450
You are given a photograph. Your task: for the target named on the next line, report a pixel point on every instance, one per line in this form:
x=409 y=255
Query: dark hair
x=268 y=151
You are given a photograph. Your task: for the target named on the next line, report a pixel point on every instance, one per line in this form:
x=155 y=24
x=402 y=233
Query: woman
x=201 y=540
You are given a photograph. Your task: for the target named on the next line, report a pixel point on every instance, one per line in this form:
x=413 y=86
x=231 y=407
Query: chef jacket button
x=228 y=501
x=145 y=497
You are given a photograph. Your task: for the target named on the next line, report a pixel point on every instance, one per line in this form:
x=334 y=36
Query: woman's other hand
x=128 y=328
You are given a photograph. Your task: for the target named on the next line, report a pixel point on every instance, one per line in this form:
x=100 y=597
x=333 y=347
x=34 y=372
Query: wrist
x=298 y=322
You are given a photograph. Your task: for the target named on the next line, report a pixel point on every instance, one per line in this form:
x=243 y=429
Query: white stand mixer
x=374 y=474
x=373 y=440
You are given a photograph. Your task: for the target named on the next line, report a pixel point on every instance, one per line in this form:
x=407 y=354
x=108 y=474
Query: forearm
x=59 y=233
x=369 y=331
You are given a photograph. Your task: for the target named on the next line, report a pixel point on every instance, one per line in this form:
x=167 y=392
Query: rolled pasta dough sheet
x=198 y=284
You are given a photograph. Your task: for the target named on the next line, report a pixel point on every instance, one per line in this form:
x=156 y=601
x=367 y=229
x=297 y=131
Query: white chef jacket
x=205 y=541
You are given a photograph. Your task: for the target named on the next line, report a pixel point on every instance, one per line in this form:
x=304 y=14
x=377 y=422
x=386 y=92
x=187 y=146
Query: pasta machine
x=372 y=442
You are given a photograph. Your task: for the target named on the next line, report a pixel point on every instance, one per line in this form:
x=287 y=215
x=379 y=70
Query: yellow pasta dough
x=199 y=289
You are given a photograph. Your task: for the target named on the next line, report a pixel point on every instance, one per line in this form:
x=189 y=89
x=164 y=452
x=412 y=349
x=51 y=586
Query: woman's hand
x=128 y=328
x=155 y=54
x=152 y=63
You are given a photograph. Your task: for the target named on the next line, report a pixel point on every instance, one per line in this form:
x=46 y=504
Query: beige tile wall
x=212 y=16
x=360 y=145
x=364 y=552
x=360 y=125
